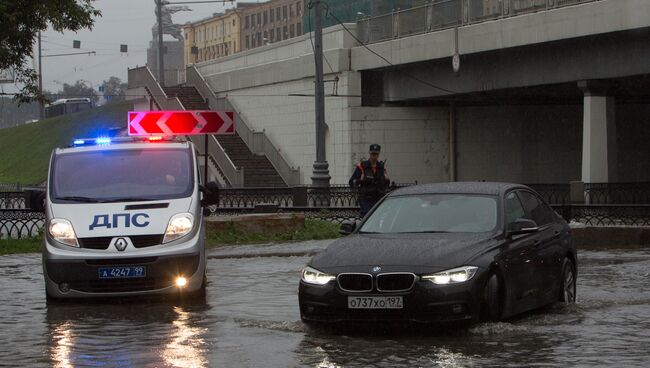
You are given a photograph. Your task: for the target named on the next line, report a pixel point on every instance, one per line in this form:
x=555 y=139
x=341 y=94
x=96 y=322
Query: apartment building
x=270 y=22
x=213 y=37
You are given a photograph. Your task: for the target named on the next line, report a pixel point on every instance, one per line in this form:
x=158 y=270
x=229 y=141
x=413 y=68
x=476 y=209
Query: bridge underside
x=569 y=110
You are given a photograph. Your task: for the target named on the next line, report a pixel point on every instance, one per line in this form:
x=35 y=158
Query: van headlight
x=315 y=277
x=453 y=276
x=61 y=230
x=179 y=226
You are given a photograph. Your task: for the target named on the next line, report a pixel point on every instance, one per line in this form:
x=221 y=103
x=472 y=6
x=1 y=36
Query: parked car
x=441 y=253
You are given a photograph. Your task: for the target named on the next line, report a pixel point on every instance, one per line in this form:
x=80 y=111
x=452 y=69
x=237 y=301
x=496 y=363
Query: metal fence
x=16 y=224
x=595 y=204
x=442 y=14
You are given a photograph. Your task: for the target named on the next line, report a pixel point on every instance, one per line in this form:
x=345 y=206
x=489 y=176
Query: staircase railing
x=257 y=141
x=142 y=77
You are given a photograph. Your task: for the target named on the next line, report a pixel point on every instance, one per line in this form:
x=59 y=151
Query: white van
x=124 y=217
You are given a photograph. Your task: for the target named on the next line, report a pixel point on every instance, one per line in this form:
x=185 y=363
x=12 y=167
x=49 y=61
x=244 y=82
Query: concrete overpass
x=549 y=96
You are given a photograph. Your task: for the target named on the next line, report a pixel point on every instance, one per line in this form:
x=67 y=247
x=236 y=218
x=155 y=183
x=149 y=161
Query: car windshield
x=122 y=175
x=431 y=213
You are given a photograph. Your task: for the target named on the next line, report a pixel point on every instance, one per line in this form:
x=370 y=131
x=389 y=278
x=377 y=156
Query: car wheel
x=568 y=282
x=492 y=299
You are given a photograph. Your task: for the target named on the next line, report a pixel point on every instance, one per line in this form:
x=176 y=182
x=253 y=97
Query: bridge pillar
x=599 y=164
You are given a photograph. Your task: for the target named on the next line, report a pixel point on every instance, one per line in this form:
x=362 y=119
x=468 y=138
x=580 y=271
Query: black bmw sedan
x=442 y=253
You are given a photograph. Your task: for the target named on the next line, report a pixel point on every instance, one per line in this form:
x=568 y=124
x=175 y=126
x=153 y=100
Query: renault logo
x=121 y=244
x=376 y=269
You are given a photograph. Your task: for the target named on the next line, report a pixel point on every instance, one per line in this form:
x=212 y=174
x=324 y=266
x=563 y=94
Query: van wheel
x=568 y=282
x=492 y=299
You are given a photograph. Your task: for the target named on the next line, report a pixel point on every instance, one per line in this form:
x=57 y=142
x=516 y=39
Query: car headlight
x=453 y=276
x=179 y=226
x=315 y=277
x=61 y=230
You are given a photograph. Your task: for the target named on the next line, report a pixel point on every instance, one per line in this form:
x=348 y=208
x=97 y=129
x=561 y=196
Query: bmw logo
x=376 y=269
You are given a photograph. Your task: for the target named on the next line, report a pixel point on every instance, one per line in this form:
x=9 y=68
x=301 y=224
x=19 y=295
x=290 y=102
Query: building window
x=278 y=34
x=292 y=31
x=277 y=14
x=248 y=42
x=284 y=12
x=247 y=22
x=260 y=41
x=266 y=17
x=291 y=10
x=259 y=18
x=285 y=33
x=298 y=9
x=266 y=38
x=253 y=43
x=271 y=14
x=299 y=29
x=272 y=35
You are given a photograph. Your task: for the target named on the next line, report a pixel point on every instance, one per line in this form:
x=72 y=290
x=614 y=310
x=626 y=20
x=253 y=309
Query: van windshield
x=122 y=175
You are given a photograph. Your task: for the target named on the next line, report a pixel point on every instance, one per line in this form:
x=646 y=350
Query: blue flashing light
x=79 y=142
x=103 y=140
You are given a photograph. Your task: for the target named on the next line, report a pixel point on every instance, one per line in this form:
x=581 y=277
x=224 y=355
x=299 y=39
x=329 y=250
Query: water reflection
x=186 y=346
x=126 y=335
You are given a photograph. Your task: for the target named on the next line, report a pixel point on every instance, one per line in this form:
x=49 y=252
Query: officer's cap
x=375 y=148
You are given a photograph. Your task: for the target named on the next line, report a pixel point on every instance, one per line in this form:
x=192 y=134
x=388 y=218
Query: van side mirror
x=522 y=226
x=347 y=227
x=210 y=193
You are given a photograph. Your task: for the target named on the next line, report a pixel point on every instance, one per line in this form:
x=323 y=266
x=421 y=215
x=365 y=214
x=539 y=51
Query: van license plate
x=131 y=272
x=375 y=302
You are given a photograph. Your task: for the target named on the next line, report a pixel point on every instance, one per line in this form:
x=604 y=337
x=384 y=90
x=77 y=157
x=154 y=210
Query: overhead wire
x=329 y=13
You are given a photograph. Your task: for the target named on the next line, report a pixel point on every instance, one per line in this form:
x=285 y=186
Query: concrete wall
x=526 y=144
x=633 y=135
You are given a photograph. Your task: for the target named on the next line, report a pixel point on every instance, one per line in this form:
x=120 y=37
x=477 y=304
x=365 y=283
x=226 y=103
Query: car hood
x=417 y=253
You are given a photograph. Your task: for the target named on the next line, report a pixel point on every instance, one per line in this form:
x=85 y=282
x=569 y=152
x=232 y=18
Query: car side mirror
x=522 y=226
x=347 y=227
x=210 y=193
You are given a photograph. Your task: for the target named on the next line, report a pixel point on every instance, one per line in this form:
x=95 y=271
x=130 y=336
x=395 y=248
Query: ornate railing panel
x=617 y=193
x=553 y=193
x=16 y=224
x=12 y=200
x=249 y=197
x=606 y=215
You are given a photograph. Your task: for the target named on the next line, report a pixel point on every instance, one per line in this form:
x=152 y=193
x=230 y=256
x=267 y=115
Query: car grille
x=395 y=281
x=360 y=282
x=139 y=241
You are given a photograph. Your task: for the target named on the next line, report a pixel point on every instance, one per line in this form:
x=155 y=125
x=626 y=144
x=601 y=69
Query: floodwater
x=250 y=319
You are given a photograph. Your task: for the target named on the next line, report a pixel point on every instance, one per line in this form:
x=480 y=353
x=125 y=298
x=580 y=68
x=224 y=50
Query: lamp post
x=320 y=173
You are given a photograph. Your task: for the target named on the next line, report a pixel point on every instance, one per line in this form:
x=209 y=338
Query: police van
x=124 y=217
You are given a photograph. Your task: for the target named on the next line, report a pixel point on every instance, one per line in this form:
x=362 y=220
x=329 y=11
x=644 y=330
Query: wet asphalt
x=250 y=318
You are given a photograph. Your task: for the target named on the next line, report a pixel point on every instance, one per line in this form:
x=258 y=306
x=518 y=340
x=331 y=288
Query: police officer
x=371 y=178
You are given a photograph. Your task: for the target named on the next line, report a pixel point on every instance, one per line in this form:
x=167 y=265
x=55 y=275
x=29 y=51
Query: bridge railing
x=442 y=14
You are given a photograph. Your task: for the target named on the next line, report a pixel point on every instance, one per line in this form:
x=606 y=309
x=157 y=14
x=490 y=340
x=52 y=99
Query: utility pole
x=161 y=63
x=320 y=173
x=41 y=111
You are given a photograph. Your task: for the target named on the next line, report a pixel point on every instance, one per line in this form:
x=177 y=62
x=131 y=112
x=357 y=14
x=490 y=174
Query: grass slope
x=25 y=150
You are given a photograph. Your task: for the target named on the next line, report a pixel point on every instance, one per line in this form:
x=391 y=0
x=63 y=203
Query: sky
x=122 y=22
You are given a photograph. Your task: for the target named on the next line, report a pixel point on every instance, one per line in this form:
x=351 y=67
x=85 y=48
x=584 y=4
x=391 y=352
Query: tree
x=114 y=89
x=22 y=20
x=79 y=90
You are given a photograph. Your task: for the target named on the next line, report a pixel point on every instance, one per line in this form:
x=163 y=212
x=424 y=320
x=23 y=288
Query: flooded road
x=251 y=319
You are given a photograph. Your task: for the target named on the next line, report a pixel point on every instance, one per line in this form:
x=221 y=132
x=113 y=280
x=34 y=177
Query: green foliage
x=114 y=89
x=26 y=149
x=313 y=230
x=22 y=20
x=14 y=246
x=79 y=90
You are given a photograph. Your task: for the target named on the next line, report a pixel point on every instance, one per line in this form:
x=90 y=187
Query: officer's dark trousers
x=366 y=205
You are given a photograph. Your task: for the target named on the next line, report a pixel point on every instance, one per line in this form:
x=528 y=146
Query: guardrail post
x=299 y=197
x=577 y=192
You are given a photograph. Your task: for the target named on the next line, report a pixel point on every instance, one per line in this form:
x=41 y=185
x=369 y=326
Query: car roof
x=123 y=146
x=474 y=187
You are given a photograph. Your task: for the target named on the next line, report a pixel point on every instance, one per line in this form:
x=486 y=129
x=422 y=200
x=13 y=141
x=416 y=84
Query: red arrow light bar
x=191 y=122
